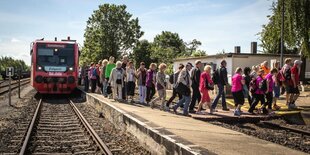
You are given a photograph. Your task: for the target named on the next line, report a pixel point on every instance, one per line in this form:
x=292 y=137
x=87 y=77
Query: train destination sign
x=55 y=69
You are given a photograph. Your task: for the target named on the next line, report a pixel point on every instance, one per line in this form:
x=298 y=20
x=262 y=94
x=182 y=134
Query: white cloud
x=216 y=31
x=14 y=40
x=15 y=48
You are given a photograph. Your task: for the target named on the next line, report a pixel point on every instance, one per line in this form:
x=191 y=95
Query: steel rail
x=103 y=147
x=15 y=87
x=14 y=83
x=300 y=131
x=30 y=128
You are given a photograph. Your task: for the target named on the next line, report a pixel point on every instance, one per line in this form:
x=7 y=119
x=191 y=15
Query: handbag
x=159 y=86
x=209 y=85
x=182 y=89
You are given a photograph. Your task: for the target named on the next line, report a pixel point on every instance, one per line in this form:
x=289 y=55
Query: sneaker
x=175 y=110
x=291 y=106
x=237 y=113
x=225 y=109
x=276 y=107
x=192 y=111
x=187 y=115
x=212 y=111
x=167 y=108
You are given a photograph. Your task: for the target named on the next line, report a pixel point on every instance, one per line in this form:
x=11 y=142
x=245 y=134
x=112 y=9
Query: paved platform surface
x=214 y=138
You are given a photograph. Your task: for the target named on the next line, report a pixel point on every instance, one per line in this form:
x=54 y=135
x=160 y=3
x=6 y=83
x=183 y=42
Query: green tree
x=192 y=47
x=10 y=62
x=142 y=53
x=198 y=53
x=110 y=31
x=296 y=27
x=167 y=46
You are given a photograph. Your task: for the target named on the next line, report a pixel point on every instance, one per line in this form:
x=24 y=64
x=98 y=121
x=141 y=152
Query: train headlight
x=70 y=68
x=39 y=68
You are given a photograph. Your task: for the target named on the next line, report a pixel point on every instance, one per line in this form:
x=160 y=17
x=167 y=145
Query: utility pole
x=282 y=35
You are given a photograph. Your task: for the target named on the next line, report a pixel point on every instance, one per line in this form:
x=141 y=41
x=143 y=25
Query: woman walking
x=131 y=81
x=258 y=95
x=150 y=83
x=103 y=79
x=206 y=83
x=247 y=79
x=117 y=81
x=237 y=90
x=141 y=76
x=160 y=86
x=108 y=71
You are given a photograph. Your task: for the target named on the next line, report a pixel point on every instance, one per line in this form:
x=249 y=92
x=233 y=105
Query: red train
x=54 y=66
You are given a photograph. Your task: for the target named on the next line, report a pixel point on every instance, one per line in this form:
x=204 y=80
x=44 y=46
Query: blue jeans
x=220 y=93
x=184 y=100
x=104 y=88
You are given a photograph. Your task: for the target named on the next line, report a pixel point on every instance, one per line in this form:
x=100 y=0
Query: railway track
x=58 y=127
x=5 y=88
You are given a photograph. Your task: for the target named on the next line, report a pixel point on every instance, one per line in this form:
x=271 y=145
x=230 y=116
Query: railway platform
x=190 y=133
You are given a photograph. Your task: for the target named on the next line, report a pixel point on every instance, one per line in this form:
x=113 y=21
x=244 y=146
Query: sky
x=218 y=24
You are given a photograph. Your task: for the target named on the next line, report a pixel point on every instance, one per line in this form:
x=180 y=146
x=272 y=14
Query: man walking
x=184 y=81
x=222 y=81
x=195 y=77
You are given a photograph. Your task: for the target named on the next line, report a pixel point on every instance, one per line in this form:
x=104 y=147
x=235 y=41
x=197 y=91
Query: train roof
x=56 y=42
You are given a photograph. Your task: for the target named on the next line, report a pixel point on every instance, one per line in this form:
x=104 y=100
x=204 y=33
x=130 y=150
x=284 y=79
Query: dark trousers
x=250 y=100
x=124 y=91
x=150 y=92
x=195 y=97
x=93 y=85
x=269 y=97
x=174 y=94
x=79 y=81
x=220 y=93
x=257 y=98
x=86 y=84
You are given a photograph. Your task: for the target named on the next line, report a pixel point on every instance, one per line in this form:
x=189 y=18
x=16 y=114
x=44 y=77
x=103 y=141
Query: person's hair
x=99 y=62
x=287 y=60
x=162 y=66
x=111 y=58
x=92 y=63
x=130 y=62
x=223 y=61
x=197 y=62
x=264 y=63
x=207 y=67
x=274 y=70
x=247 y=70
x=118 y=63
x=142 y=63
x=274 y=64
x=105 y=61
x=181 y=66
x=238 y=70
x=260 y=72
x=152 y=65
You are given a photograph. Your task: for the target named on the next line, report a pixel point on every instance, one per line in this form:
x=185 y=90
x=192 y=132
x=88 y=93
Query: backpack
x=215 y=76
x=263 y=85
x=94 y=72
x=287 y=74
x=253 y=86
x=171 y=78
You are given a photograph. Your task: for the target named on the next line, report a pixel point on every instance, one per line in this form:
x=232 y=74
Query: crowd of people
x=192 y=85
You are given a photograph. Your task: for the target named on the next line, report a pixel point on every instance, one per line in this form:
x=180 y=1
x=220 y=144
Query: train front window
x=51 y=56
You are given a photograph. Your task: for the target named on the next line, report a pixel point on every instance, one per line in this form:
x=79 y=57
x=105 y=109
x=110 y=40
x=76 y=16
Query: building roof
x=234 y=55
